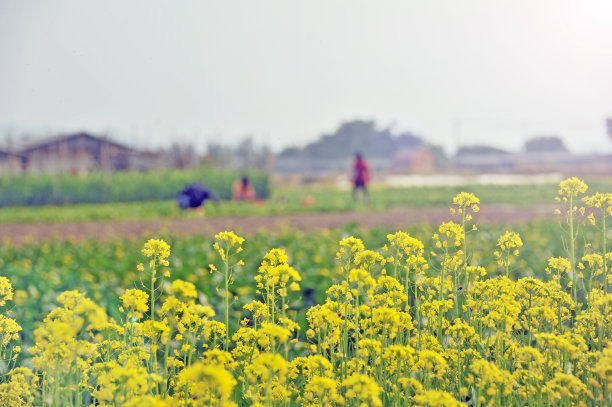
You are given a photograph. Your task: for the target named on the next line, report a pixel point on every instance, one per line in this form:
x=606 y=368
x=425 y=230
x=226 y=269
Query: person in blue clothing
x=194 y=196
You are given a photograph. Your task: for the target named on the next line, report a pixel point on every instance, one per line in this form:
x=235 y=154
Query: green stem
x=603 y=235
x=465 y=265
x=508 y=264
x=440 y=296
x=464 y=244
x=572 y=252
x=395 y=262
x=273 y=302
x=226 y=270
x=164 y=388
x=357 y=325
x=153 y=272
x=44 y=386
x=345 y=333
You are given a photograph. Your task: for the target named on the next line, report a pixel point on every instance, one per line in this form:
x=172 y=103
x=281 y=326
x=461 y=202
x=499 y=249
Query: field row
x=64 y=189
x=284 y=200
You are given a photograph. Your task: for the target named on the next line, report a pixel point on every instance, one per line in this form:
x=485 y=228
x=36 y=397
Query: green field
x=129 y=186
x=285 y=200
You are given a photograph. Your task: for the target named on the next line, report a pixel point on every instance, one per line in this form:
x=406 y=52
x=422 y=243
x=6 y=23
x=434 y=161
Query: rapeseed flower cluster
x=508 y=247
x=396 y=328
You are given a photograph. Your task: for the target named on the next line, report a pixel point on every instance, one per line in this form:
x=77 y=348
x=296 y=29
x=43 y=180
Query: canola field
x=455 y=314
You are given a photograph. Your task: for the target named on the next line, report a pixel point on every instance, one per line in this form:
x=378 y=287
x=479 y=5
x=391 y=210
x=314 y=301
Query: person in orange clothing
x=361 y=177
x=243 y=190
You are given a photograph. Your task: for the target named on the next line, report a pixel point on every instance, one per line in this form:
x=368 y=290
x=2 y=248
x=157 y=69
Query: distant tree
x=545 y=144
x=479 y=150
x=439 y=156
x=408 y=140
x=292 y=152
x=245 y=153
x=243 y=156
x=355 y=136
x=180 y=156
x=218 y=156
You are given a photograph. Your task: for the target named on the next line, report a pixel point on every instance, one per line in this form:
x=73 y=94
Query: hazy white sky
x=287 y=71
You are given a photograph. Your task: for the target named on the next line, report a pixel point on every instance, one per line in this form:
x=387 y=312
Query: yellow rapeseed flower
x=363 y=390
x=157 y=249
x=465 y=200
x=135 y=302
x=436 y=398
x=183 y=290
x=6 y=290
x=207 y=384
x=572 y=187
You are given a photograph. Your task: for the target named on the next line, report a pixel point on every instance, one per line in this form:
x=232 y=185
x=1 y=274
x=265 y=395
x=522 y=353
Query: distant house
x=545 y=144
x=545 y=153
x=484 y=158
x=10 y=163
x=82 y=153
x=419 y=160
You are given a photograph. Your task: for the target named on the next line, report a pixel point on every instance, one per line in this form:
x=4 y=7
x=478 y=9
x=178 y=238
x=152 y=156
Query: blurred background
x=132 y=101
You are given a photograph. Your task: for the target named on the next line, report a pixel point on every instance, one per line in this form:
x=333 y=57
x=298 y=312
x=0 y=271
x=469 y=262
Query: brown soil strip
x=397 y=217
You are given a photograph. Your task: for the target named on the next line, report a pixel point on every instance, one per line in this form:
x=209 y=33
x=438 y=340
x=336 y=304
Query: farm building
x=82 y=153
x=413 y=160
x=10 y=163
x=484 y=158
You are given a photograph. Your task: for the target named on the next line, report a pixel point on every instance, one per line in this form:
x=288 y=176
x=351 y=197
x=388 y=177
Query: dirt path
x=396 y=217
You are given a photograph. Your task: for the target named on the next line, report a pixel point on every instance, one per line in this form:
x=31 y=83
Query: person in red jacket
x=243 y=190
x=361 y=177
